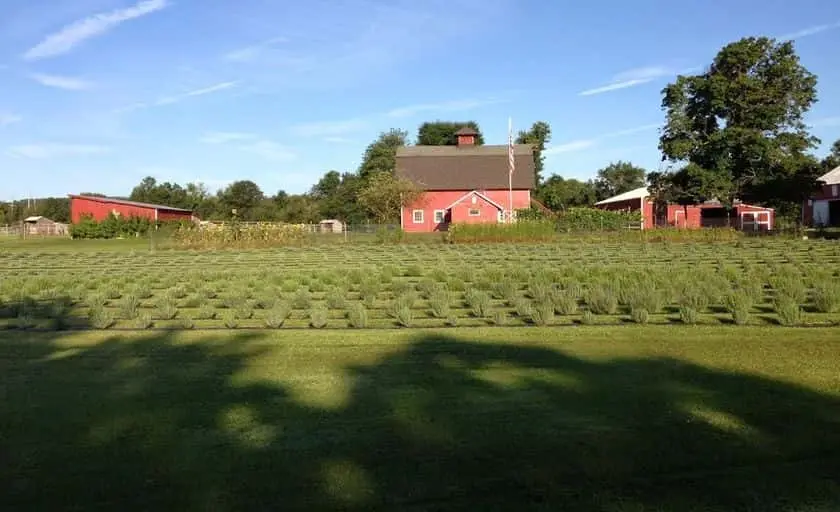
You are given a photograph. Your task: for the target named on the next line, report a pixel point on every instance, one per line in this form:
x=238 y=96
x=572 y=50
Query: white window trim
x=414 y=216
x=471 y=210
x=442 y=216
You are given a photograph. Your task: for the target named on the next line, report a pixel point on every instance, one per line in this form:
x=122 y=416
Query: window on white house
x=417 y=216
x=439 y=215
x=475 y=212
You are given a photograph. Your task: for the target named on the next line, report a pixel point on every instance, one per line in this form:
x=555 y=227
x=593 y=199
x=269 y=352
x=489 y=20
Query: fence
x=34 y=230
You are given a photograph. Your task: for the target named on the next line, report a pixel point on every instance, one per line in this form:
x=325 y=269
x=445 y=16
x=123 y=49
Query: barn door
x=748 y=221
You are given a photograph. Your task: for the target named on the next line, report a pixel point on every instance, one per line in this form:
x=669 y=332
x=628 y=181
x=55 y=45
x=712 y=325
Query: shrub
x=277 y=316
x=144 y=321
x=167 y=309
x=265 y=301
x=456 y=284
x=357 y=316
x=451 y=321
x=694 y=299
x=826 y=296
x=128 y=306
x=500 y=317
x=318 y=316
x=414 y=270
x=440 y=303
x=602 y=300
x=588 y=318
x=543 y=313
x=427 y=287
x=790 y=286
x=113 y=293
x=788 y=310
x=406 y=300
x=400 y=287
x=645 y=296
x=302 y=298
x=739 y=303
x=206 y=313
x=565 y=302
x=186 y=322
x=100 y=318
x=142 y=292
x=95 y=300
x=336 y=298
x=595 y=219
x=539 y=288
x=405 y=316
x=244 y=311
x=207 y=292
x=522 y=231
x=523 y=308
x=229 y=320
x=479 y=303
x=640 y=315
x=689 y=315
x=505 y=289
x=369 y=291
x=179 y=292
x=25 y=320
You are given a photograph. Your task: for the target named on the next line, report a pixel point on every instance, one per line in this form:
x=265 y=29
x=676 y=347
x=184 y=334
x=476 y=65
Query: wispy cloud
x=810 y=31
x=631 y=78
x=7 y=119
x=825 y=121
x=62 y=82
x=169 y=100
x=225 y=137
x=330 y=128
x=79 y=31
x=575 y=145
x=52 y=150
x=253 y=52
x=581 y=144
x=446 y=106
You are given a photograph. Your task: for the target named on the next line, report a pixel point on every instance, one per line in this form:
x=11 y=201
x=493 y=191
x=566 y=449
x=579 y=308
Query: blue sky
x=97 y=94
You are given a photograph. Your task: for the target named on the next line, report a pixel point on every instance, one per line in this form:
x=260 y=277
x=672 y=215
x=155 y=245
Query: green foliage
x=595 y=219
x=602 y=300
x=206 y=313
x=381 y=155
x=442 y=133
x=689 y=315
x=826 y=297
x=404 y=316
x=439 y=301
x=788 y=310
x=565 y=301
x=523 y=307
x=537 y=136
x=277 y=315
x=639 y=315
x=167 y=308
x=112 y=227
x=739 y=304
x=302 y=298
x=500 y=317
x=384 y=194
x=336 y=298
x=128 y=306
x=559 y=194
x=522 y=231
x=543 y=312
x=588 y=318
x=144 y=321
x=357 y=316
x=100 y=318
x=186 y=322
x=244 y=311
x=617 y=178
x=369 y=291
x=229 y=320
x=318 y=317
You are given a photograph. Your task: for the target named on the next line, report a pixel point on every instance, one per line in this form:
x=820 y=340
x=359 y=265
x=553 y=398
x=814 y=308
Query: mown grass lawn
x=589 y=418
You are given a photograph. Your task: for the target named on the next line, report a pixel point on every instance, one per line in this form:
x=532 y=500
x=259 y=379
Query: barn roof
x=832 y=177
x=114 y=200
x=636 y=193
x=466 y=167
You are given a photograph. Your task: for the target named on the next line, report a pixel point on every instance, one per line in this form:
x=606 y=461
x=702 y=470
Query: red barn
x=99 y=208
x=465 y=183
x=823 y=208
x=704 y=215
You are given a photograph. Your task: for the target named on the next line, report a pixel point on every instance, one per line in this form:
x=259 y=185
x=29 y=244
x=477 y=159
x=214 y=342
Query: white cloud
x=51 y=150
x=329 y=128
x=253 y=52
x=62 y=82
x=169 y=100
x=225 y=137
x=7 y=119
x=269 y=150
x=447 y=106
x=810 y=31
x=79 y=31
x=631 y=131
x=575 y=145
x=631 y=78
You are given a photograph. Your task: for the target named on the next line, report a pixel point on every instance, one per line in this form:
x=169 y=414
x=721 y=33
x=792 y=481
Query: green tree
x=617 y=178
x=538 y=136
x=381 y=154
x=742 y=121
x=558 y=193
x=242 y=197
x=442 y=133
x=384 y=194
x=832 y=161
x=300 y=209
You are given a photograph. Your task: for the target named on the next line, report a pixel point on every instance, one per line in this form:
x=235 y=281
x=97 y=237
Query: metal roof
x=832 y=177
x=637 y=193
x=466 y=167
x=114 y=200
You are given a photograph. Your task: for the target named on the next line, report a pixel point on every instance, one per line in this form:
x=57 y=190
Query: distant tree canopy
x=53 y=208
x=538 y=136
x=442 y=133
x=381 y=154
x=558 y=193
x=832 y=161
x=737 y=129
x=617 y=178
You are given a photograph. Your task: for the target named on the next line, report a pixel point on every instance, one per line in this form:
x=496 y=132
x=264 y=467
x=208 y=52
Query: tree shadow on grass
x=157 y=423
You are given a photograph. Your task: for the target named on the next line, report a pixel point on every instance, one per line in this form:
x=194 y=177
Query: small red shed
x=98 y=208
x=822 y=209
x=465 y=184
x=710 y=214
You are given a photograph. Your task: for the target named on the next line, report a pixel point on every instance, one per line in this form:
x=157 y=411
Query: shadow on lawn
x=151 y=424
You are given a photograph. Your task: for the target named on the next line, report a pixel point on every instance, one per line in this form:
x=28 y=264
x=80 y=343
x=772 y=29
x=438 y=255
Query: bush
x=302 y=298
x=500 y=317
x=479 y=303
x=427 y=287
x=788 y=310
x=369 y=291
x=244 y=311
x=826 y=297
x=739 y=304
x=645 y=295
x=144 y=321
x=186 y=323
x=128 y=306
x=206 y=313
x=565 y=302
x=506 y=290
x=405 y=316
x=639 y=315
x=440 y=303
x=451 y=321
x=694 y=298
x=357 y=316
x=595 y=219
x=25 y=320
x=588 y=318
x=229 y=320
x=167 y=309
x=336 y=298
x=404 y=301
x=543 y=313
x=689 y=315
x=523 y=308
x=100 y=318
x=522 y=231
x=277 y=316
x=265 y=301
x=602 y=300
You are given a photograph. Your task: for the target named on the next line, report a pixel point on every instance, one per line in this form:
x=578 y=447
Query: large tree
x=832 y=161
x=240 y=199
x=442 y=133
x=617 y=178
x=740 y=123
x=558 y=193
x=381 y=154
x=384 y=194
x=337 y=197
x=538 y=136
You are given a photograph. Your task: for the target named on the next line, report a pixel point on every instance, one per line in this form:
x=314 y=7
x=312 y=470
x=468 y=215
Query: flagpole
x=510 y=170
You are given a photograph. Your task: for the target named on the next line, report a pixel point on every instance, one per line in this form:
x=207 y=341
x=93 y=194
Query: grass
x=711 y=418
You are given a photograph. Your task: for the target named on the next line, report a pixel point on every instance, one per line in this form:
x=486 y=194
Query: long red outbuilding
x=98 y=208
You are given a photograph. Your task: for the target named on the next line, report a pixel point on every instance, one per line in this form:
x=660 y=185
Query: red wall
x=830 y=192
x=99 y=211
x=687 y=216
x=439 y=200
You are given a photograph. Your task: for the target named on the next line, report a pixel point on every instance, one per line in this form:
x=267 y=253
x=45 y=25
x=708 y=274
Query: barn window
x=475 y=212
x=417 y=216
x=834 y=190
x=439 y=216
x=500 y=216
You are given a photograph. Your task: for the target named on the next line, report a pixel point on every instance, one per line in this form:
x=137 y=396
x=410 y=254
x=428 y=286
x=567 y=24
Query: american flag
x=511 y=160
